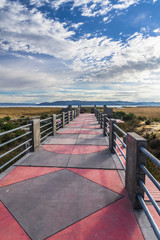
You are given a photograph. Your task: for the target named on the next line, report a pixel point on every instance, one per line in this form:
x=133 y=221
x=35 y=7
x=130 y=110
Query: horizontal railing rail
x=124 y=148
x=59 y=122
x=66 y=118
x=15 y=129
x=45 y=120
x=142 y=184
x=18 y=145
x=106 y=126
x=116 y=144
x=124 y=134
x=18 y=141
x=46 y=128
x=148 y=214
x=14 y=139
x=150 y=156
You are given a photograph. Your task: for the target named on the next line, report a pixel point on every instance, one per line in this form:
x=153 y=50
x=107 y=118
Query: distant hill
x=108 y=103
x=83 y=103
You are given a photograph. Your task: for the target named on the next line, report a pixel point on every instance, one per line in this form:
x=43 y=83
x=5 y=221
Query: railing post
x=108 y=111
x=72 y=115
x=104 y=124
x=133 y=171
x=101 y=120
x=63 y=119
x=95 y=112
x=78 y=111
x=111 y=135
x=54 y=124
x=35 y=128
x=69 y=116
x=98 y=116
x=75 y=112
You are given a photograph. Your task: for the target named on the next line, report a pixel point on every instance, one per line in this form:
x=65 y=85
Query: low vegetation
x=23 y=117
x=143 y=121
x=23 y=112
x=147 y=127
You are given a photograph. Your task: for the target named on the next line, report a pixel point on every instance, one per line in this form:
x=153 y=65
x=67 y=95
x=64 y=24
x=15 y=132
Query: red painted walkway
x=68 y=191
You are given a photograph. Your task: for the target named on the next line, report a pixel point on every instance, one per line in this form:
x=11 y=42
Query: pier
x=82 y=178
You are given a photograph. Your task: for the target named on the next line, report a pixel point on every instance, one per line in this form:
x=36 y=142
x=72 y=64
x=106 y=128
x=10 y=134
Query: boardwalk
x=70 y=189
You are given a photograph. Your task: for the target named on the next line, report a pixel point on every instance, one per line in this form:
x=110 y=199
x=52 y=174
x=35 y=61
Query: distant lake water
x=64 y=106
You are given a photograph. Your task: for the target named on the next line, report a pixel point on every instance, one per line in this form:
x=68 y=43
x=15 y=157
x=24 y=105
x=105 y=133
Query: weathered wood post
x=99 y=117
x=63 y=119
x=75 y=113
x=104 y=124
x=108 y=111
x=54 y=124
x=35 y=128
x=101 y=120
x=72 y=115
x=133 y=171
x=111 y=135
x=69 y=116
x=78 y=111
x=95 y=112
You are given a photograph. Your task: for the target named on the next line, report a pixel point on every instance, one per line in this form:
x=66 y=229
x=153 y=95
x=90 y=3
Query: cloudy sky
x=79 y=49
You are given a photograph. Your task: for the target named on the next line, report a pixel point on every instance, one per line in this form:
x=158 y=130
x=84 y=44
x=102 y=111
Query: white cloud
x=92 y=8
x=38 y=3
x=77 y=25
x=91 y=62
x=21 y=29
x=123 y=4
x=2 y=3
x=105 y=19
x=157 y=30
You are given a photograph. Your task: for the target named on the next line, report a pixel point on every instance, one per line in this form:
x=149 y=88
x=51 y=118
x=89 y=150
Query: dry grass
x=149 y=112
x=17 y=112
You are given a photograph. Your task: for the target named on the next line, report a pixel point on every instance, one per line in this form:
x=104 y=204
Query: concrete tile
x=91 y=142
x=90 y=136
x=99 y=160
x=116 y=221
x=55 y=200
x=56 y=141
x=45 y=159
x=10 y=228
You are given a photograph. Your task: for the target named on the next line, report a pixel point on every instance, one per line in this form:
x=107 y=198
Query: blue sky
x=80 y=49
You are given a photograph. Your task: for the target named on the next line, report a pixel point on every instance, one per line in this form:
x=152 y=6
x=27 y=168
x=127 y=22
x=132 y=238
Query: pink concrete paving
x=23 y=173
x=103 y=177
x=9 y=227
x=91 y=127
x=152 y=189
x=115 y=219
x=72 y=131
x=74 y=125
x=74 y=149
